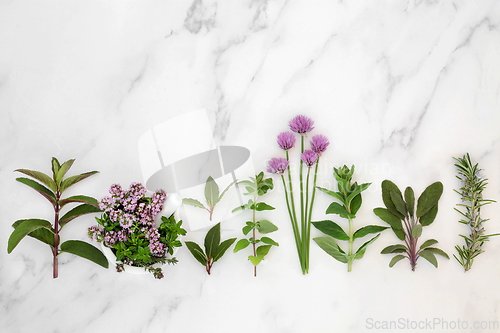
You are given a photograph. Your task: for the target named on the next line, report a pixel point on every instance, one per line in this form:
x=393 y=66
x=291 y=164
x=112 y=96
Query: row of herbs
x=127 y=224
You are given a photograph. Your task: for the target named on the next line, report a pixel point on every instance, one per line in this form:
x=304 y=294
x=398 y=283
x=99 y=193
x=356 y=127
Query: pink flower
x=286 y=140
x=319 y=144
x=301 y=124
x=309 y=158
x=277 y=165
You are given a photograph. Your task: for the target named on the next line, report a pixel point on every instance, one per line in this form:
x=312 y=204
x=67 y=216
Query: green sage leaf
x=386 y=216
x=440 y=252
x=398 y=248
x=416 y=232
x=387 y=187
x=396 y=259
x=398 y=202
x=269 y=241
x=410 y=200
x=428 y=243
x=78 y=211
x=45 y=192
x=399 y=233
x=429 y=198
x=23 y=229
x=369 y=229
x=241 y=244
x=266 y=227
x=429 y=256
x=222 y=248
x=197 y=252
x=40 y=176
x=331 y=229
x=65 y=184
x=430 y=216
x=85 y=250
x=212 y=240
x=329 y=246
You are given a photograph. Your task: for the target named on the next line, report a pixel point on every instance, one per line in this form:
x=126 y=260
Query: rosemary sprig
x=471 y=192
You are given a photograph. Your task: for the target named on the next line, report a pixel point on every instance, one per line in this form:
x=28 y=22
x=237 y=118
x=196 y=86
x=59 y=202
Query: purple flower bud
x=286 y=140
x=277 y=165
x=301 y=124
x=309 y=158
x=319 y=144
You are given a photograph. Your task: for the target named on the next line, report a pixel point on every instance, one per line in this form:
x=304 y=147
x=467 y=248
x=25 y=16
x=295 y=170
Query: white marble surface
x=399 y=87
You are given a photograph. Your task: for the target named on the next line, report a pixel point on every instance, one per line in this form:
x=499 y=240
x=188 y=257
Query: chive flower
x=301 y=124
x=309 y=158
x=277 y=165
x=286 y=140
x=319 y=143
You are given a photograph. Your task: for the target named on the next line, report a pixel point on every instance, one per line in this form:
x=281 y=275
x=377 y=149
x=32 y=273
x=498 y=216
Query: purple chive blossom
x=301 y=124
x=309 y=158
x=286 y=140
x=319 y=144
x=277 y=165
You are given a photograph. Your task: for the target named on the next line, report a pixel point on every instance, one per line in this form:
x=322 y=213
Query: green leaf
x=356 y=204
x=239 y=208
x=429 y=217
x=410 y=200
x=336 y=208
x=224 y=192
x=85 y=250
x=429 y=198
x=222 y=248
x=398 y=248
x=429 y=256
x=255 y=260
x=269 y=241
x=329 y=246
x=266 y=227
x=369 y=229
x=396 y=259
x=78 y=211
x=386 y=216
x=197 y=252
x=362 y=249
x=331 y=229
x=241 y=244
x=398 y=202
x=44 y=235
x=45 y=192
x=435 y=250
x=428 y=243
x=40 y=176
x=416 y=232
x=65 y=184
x=399 y=233
x=193 y=202
x=336 y=195
x=62 y=171
x=247 y=229
x=79 y=198
x=263 y=206
x=263 y=250
x=211 y=192
x=55 y=167
x=23 y=229
x=387 y=187
x=360 y=188
x=212 y=240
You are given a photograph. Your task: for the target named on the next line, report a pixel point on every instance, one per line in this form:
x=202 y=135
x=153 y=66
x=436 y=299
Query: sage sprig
x=51 y=188
x=212 y=196
x=472 y=197
x=349 y=195
x=214 y=249
x=407 y=222
x=256 y=187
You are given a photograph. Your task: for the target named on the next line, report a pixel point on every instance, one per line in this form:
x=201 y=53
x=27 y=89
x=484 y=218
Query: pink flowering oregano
x=48 y=233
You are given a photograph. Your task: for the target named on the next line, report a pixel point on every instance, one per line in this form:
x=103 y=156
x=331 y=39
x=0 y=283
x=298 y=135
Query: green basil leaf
x=76 y=212
x=23 y=229
x=40 y=176
x=45 y=192
x=85 y=250
x=65 y=184
x=356 y=204
x=79 y=198
x=62 y=171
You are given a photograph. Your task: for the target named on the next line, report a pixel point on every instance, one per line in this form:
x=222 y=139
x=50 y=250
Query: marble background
x=399 y=88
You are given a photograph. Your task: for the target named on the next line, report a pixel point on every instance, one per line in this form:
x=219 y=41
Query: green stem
x=253 y=243
x=310 y=214
x=351 y=242
x=294 y=221
x=55 y=272
x=302 y=221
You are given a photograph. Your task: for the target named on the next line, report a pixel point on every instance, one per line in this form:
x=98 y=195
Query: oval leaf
x=23 y=229
x=255 y=260
x=360 y=188
x=410 y=200
x=386 y=216
x=429 y=256
x=65 y=184
x=41 y=177
x=79 y=198
x=197 y=252
x=263 y=206
x=211 y=192
x=429 y=217
x=429 y=198
x=212 y=240
x=62 y=171
x=329 y=246
x=266 y=227
x=362 y=249
x=398 y=248
x=435 y=250
x=428 y=243
x=331 y=229
x=222 y=248
x=398 y=202
x=369 y=229
x=269 y=241
x=387 y=187
x=399 y=233
x=242 y=243
x=55 y=166
x=336 y=208
x=44 y=235
x=416 y=232
x=263 y=250
x=85 y=250
x=356 y=204
x=396 y=259
x=45 y=192
x=78 y=211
